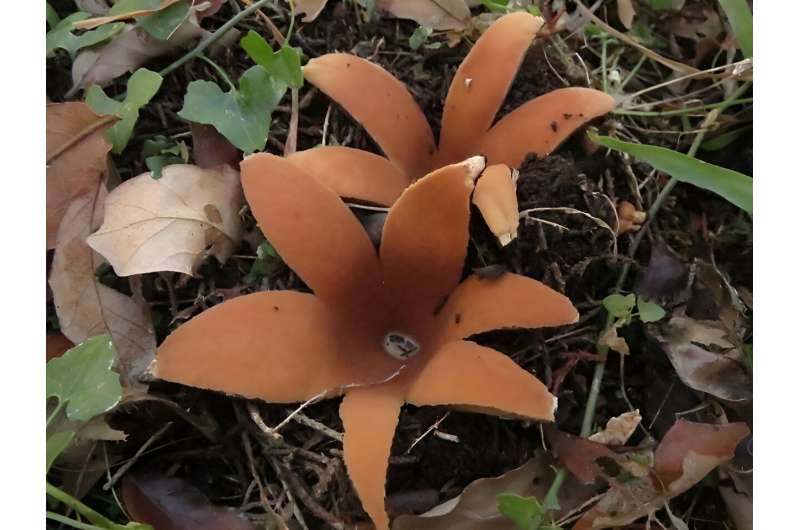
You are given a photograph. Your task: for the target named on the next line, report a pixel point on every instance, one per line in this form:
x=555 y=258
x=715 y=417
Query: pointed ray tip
x=474 y=166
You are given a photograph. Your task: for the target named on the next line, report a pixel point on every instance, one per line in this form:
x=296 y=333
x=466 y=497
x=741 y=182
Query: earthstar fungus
x=383 y=328
x=389 y=113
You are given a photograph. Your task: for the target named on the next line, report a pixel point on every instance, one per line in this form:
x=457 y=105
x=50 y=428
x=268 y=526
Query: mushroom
x=389 y=113
x=630 y=219
x=383 y=328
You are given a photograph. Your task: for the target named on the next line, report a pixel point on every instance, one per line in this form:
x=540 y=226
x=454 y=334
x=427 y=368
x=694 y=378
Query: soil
x=581 y=261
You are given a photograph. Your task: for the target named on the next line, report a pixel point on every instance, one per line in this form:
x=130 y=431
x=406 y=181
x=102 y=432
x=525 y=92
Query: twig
x=214 y=37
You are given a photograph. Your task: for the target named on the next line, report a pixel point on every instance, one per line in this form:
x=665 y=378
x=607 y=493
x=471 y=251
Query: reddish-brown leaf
x=174 y=504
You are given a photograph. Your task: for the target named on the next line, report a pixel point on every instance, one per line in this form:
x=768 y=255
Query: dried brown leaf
x=76 y=157
x=126 y=52
x=84 y=306
x=174 y=504
x=687 y=343
x=168 y=224
x=476 y=507
x=688 y=452
x=579 y=455
x=210 y=148
x=436 y=14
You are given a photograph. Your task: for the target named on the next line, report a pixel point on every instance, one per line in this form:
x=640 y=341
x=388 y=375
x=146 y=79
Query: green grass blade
x=731 y=185
x=741 y=19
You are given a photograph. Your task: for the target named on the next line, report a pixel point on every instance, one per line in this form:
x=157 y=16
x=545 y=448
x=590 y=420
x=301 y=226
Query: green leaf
x=242 y=116
x=267 y=262
x=283 y=64
x=526 y=512
x=61 y=36
x=649 y=311
x=161 y=151
x=731 y=185
x=82 y=379
x=741 y=19
x=126 y=6
x=495 y=6
x=619 y=306
x=723 y=140
x=419 y=36
x=163 y=24
x=52 y=17
x=56 y=444
x=666 y=4
x=142 y=86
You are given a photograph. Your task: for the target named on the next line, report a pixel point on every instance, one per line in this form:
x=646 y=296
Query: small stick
x=127 y=465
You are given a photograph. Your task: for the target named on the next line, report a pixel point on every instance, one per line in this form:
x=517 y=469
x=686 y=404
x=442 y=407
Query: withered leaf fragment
x=169 y=503
x=376 y=328
x=76 y=157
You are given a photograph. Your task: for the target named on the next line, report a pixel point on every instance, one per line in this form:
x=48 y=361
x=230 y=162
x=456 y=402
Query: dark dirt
x=581 y=262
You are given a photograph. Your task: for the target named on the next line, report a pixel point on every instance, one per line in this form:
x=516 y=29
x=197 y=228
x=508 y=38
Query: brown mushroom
x=383 y=328
x=386 y=109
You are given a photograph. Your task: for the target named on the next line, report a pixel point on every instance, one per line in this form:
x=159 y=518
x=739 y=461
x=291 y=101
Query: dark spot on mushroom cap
x=567 y=116
x=458 y=318
x=275 y=308
x=554 y=126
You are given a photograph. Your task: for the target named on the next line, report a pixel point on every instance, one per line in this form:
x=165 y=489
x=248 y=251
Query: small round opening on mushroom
x=400 y=345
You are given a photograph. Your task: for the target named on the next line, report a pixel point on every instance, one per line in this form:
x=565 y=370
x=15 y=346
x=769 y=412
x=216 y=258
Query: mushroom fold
x=388 y=112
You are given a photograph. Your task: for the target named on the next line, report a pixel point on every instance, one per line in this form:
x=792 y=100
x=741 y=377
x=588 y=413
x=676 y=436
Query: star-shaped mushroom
x=388 y=112
x=383 y=328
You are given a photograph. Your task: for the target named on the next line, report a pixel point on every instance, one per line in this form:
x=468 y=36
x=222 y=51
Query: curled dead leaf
x=76 y=157
x=169 y=503
x=310 y=8
x=167 y=224
x=85 y=307
x=126 y=52
x=688 y=343
x=618 y=429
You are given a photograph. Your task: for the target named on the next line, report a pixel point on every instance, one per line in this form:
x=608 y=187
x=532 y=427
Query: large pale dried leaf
x=476 y=507
x=688 y=342
x=76 y=157
x=169 y=503
x=87 y=308
x=167 y=224
x=688 y=452
x=436 y=14
x=125 y=53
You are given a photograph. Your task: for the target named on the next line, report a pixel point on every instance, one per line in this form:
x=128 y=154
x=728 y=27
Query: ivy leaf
x=242 y=115
x=267 y=262
x=160 y=151
x=56 y=444
x=164 y=23
x=419 y=37
x=619 y=306
x=142 y=86
x=82 y=379
x=649 y=311
x=52 y=17
x=283 y=64
x=61 y=36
